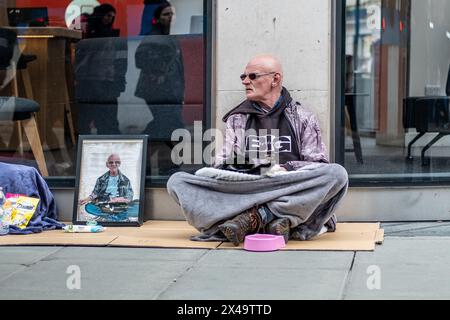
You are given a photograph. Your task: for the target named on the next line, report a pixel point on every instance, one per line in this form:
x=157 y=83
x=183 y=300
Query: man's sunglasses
x=253 y=76
x=113 y=162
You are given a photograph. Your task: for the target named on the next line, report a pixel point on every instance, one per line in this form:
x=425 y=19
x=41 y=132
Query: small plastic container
x=263 y=242
x=4 y=228
x=83 y=229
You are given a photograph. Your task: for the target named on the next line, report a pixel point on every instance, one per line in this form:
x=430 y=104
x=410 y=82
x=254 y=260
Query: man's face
x=113 y=164
x=260 y=88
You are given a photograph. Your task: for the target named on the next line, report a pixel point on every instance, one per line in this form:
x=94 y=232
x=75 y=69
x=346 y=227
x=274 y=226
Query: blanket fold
x=25 y=180
x=307 y=197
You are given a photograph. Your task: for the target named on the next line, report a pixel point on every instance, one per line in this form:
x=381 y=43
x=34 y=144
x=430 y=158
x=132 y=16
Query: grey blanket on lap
x=308 y=197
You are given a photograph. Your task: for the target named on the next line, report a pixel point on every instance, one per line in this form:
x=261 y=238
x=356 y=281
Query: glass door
x=397 y=56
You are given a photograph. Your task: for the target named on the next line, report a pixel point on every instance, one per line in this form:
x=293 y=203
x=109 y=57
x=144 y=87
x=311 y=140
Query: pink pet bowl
x=263 y=242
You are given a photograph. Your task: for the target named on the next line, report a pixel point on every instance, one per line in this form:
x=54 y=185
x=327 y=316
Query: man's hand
x=84 y=201
x=274 y=170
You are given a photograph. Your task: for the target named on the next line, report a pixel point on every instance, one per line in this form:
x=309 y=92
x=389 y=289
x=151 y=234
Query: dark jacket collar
x=248 y=107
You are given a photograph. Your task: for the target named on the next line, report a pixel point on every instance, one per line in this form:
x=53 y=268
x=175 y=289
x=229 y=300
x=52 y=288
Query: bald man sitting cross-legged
x=296 y=198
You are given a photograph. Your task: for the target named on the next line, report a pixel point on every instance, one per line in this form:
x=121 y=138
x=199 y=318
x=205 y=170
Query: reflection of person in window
x=113 y=186
x=100 y=22
x=162 y=72
x=162 y=19
x=349 y=74
x=161 y=84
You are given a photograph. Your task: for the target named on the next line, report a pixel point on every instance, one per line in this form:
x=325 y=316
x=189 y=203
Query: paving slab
x=417 y=229
x=278 y=275
x=413 y=267
x=403 y=268
x=25 y=255
x=126 y=254
x=277 y=259
x=105 y=273
x=6 y=270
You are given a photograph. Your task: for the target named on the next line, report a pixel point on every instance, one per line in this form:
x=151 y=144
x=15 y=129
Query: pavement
x=411 y=264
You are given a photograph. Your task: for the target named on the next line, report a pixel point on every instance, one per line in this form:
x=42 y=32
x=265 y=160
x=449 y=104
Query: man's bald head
x=267 y=62
x=113 y=157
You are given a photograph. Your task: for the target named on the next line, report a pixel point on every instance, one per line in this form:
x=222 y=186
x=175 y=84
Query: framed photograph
x=110 y=180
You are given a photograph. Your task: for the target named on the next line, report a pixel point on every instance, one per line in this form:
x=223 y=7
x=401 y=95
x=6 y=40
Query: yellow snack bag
x=23 y=211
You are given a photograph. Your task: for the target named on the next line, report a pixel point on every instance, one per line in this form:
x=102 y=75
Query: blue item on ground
x=25 y=180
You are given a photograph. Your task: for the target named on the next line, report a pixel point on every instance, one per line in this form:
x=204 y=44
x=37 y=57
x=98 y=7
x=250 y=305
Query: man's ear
x=276 y=80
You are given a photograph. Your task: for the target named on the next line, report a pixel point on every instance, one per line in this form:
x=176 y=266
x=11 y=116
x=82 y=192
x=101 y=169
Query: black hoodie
x=265 y=143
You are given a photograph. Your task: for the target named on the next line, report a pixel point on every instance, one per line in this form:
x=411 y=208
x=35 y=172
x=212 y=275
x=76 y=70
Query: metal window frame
x=338 y=74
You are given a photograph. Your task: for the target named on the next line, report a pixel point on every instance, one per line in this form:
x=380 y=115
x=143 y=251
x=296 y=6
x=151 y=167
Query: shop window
x=100 y=68
x=396 y=105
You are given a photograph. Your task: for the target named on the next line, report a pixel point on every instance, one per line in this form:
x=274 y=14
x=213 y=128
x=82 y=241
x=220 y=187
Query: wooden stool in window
x=23 y=110
x=21 y=68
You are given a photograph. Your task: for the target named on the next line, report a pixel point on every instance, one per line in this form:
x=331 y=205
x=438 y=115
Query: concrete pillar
x=297 y=31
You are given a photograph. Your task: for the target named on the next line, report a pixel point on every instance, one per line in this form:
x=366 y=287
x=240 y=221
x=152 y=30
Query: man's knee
x=173 y=182
x=338 y=174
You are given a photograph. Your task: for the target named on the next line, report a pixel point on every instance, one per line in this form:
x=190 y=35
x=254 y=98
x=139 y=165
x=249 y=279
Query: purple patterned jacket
x=306 y=129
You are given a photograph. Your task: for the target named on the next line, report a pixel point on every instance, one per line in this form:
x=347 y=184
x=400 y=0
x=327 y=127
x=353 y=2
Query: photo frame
x=110 y=180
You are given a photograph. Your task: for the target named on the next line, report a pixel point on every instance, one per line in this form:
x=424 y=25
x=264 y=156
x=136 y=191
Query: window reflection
x=397 y=64
x=102 y=67
x=100 y=23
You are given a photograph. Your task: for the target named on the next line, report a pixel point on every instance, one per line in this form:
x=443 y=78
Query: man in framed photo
x=113 y=186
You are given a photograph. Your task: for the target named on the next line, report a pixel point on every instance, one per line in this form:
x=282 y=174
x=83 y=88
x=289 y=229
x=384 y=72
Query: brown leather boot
x=245 y=223
x=280 y=227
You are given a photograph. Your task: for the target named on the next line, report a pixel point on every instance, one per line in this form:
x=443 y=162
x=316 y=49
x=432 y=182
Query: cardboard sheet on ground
x=58 y=238
x=176 y=234
x=160 y=234
x=348 y=237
